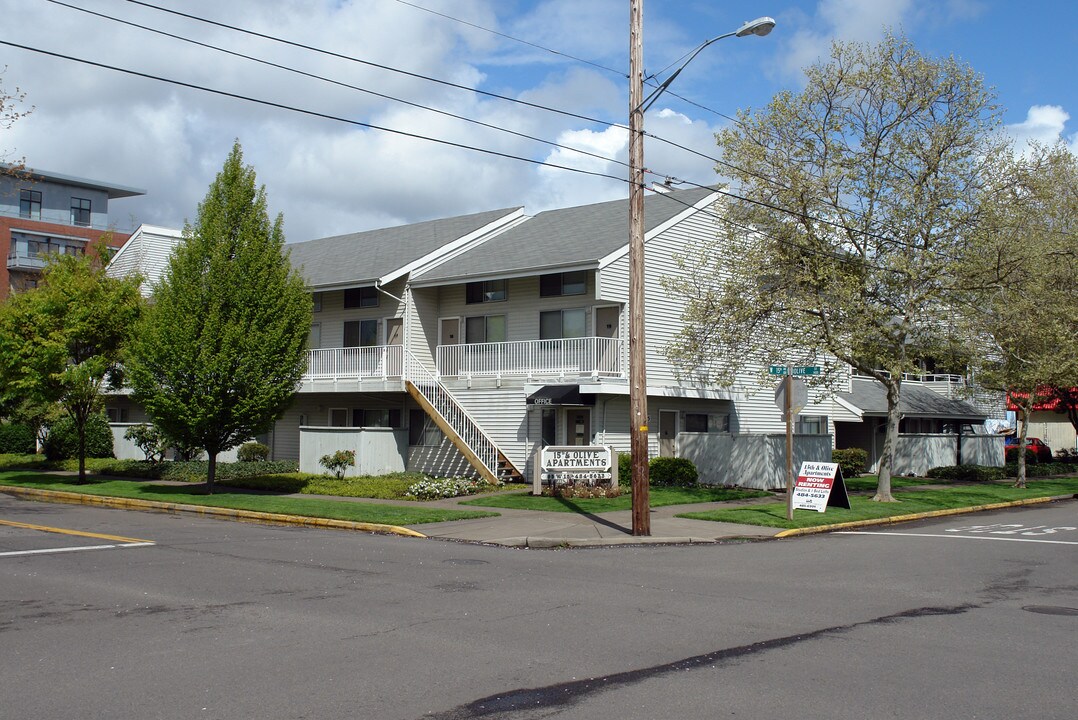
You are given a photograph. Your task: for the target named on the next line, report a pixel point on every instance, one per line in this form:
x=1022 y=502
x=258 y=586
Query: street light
x=638 y=410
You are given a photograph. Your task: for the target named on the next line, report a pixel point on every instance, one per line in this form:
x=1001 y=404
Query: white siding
x=333 y=314
x=147 y=251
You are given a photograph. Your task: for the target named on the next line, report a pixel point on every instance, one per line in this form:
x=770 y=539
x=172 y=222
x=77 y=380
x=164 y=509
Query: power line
x=387 y=68
x=336 y=82
x=514 y=39
x=312 y=113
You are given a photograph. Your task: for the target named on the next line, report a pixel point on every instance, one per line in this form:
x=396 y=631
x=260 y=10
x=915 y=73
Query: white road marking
x=955 y=537
x=48 y=551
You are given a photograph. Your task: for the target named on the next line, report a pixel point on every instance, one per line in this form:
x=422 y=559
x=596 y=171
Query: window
x=80 y=211
x=314 y=338
x=567 y=283
x=30 y=204
x=484 y=329
x=811 y=425
x=707 y=422
x=559 y=324
x=116 y=415
x=383 y=417
x=360 y=333
x=422 y=430
x=316 y=302
x=360 y=297
x=548 y=423
x=486 y=291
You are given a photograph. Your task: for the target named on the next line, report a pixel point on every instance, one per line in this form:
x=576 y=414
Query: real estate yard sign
x=818 y=486
x=575 y=463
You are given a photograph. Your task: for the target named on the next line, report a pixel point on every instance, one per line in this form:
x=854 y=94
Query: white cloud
x=1044 y=124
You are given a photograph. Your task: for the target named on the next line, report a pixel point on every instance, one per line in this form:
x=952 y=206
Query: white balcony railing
x=22 y=261
x=578 y=357
x=380 y=362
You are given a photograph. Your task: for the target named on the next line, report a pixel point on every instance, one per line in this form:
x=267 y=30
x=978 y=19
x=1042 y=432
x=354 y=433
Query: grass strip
x=193 y=495
x=862 y=508
x=658 y=497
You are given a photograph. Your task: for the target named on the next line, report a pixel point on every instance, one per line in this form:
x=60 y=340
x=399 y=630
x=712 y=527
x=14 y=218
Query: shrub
x=966 y=473
x=17 y=439
x=252 y=452
x=852 y=461
x=1011 y=456
x=149 y=440
x=338 y=462
x=436 y=489
x=672 y=472
x=625 y=469
x=195 y=470
x=62 y=441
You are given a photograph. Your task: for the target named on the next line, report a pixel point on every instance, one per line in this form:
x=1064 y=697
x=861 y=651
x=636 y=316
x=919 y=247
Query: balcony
x=591 y=357
x=380 y=362
x=24 y=261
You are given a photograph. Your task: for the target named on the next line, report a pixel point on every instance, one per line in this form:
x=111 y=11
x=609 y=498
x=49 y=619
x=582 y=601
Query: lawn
x=658 y=497
x=862 y=508
x=194 y=495
x=868 y=483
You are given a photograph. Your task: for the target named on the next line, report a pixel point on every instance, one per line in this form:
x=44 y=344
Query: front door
x=578 y=430
x=667 y=433
x=449 y=334
x=608 y=325
x=394 y=339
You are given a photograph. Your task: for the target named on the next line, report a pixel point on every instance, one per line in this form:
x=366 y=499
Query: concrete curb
x=71 y=498
x=921 y=516
x=546 y=543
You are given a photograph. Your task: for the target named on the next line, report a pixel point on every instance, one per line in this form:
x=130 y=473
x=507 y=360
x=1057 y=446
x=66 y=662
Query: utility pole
x=638 y=391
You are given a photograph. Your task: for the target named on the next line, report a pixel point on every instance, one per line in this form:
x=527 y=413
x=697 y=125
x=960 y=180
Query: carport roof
x=870 y=397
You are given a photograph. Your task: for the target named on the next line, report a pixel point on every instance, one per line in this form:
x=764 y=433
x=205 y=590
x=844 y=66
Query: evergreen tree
x=222 y=345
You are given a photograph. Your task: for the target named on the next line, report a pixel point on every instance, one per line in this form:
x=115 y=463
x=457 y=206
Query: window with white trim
x=563 y=283
x=485 y=329
x=360 y=333
x=360 y=297
x=811 y=425
x=484 y=291
x=706 y=422
x=561 y=324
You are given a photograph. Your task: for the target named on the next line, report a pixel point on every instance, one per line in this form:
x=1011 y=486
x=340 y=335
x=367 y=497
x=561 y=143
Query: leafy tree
x=220 y=350
x=1018 y=284
x=62 y=341
x=856 y=194
x=10 y=112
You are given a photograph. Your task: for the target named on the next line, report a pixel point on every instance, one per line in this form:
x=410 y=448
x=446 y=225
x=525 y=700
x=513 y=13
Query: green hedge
x=252 y=452
x=1042 y=469
x=1011 y=456
x=17 y=439
x=966 y=473
x=852 y=461
x=62 y=442
x=662 y=471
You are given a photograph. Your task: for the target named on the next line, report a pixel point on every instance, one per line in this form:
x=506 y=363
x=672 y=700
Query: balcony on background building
x=588 y=357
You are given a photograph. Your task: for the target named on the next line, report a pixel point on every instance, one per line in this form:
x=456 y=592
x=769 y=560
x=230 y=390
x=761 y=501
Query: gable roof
x=569 y=237
x=363 y=258
x=870 y=397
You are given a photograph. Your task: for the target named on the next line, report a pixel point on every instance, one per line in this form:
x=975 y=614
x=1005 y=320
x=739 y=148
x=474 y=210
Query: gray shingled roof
x=914 y=401
x=565 y=237
x=363 y=257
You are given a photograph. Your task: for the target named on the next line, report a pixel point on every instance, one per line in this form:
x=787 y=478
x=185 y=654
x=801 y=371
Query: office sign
x=819 y=485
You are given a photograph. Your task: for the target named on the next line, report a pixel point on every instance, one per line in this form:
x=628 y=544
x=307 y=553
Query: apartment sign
x=576 y=462
x=818 y=486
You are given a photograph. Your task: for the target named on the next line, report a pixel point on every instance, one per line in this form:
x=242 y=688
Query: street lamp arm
x=760 y=27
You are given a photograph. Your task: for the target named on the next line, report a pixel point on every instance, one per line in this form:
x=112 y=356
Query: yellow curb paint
x=242 y=515
x=918 y=516
x=66 y=531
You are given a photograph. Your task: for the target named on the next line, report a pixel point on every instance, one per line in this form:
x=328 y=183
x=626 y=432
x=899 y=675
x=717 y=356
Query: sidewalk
x=539 y=529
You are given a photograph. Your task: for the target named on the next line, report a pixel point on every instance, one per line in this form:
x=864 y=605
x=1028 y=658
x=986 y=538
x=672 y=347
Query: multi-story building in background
x=45 y=212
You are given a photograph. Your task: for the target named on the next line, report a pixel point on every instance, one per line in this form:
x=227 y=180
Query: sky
x=333 y=139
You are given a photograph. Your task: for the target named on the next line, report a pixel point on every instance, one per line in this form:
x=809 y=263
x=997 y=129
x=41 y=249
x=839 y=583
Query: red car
x=1035 y=445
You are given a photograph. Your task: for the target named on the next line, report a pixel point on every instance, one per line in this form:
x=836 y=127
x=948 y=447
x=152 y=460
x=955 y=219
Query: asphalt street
x=142 y=615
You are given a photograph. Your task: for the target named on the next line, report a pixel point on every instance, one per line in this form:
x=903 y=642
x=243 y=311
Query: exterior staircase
x=453 y=420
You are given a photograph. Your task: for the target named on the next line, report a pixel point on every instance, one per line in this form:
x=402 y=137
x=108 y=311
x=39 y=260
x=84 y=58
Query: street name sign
x=819 y=485
x=796 y=370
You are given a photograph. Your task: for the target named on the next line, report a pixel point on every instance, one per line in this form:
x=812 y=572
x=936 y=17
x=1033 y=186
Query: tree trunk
x=80 y=427
x=890 y=442
x=211 y=471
